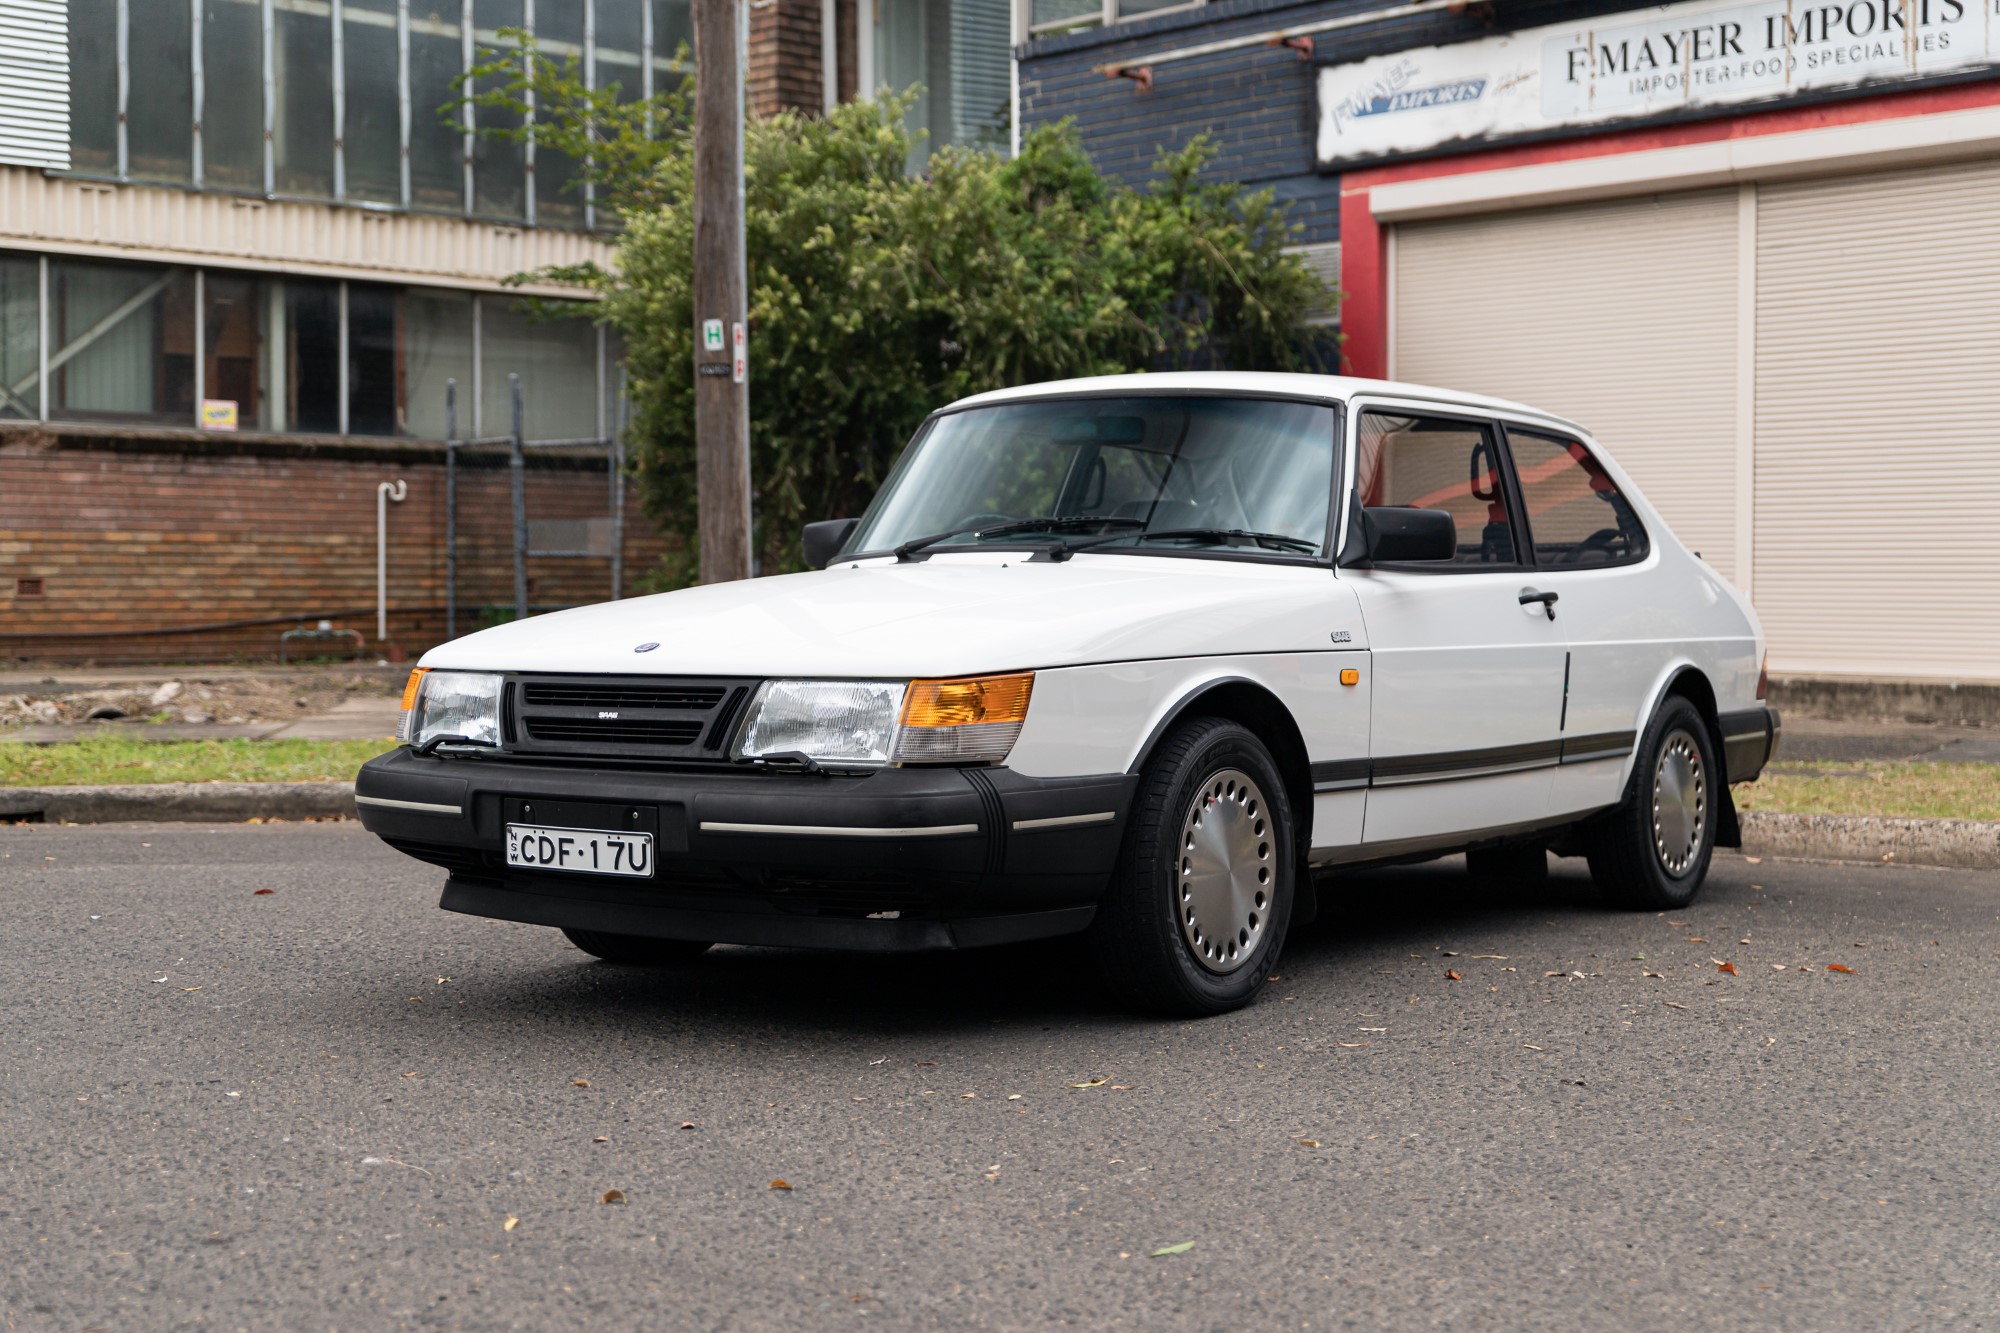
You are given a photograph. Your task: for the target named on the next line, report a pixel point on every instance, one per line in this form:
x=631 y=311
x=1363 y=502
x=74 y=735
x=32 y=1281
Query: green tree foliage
x=876 y=296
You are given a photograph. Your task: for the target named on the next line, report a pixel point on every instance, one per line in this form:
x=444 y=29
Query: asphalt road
x=319 y=1108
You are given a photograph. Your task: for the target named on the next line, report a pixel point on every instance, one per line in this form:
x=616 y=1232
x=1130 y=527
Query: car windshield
x=1119 y=474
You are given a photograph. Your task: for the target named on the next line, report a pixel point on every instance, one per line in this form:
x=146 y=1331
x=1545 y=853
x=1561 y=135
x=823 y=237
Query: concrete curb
x=178 y=802
x=1966 y=844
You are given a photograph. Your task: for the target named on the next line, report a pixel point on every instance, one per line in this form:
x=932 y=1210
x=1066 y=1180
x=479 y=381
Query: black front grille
x=624 y=718
x=636 y=731
x=590 y=694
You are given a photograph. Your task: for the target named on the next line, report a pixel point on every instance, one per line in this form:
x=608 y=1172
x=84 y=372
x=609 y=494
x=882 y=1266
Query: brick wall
x=784 y=56
x=133 y=532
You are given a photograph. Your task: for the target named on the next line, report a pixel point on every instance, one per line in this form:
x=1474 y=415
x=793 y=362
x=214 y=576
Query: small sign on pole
x=740 y=360
x=711 y=335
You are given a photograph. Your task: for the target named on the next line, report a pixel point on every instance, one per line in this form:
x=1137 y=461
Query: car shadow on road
x=1367 y=917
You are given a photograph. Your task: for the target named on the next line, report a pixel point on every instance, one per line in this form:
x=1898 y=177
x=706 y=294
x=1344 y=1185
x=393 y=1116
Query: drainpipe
x=384 y=493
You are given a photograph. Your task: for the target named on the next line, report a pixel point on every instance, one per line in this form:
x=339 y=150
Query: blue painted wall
x=1257 y=103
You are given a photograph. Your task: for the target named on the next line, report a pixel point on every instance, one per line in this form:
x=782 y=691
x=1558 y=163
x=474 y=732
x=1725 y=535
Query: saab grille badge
x=645 y=648
x=606 y=717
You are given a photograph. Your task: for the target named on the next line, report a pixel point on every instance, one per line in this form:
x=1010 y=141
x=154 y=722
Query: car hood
x=949 y=615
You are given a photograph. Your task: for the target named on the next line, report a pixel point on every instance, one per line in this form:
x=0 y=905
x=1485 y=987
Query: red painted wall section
x=1363 y=266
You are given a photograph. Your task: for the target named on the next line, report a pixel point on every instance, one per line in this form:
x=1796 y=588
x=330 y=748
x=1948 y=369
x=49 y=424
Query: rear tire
x=1652 y=852
x=636 y=950
x=1199 y=905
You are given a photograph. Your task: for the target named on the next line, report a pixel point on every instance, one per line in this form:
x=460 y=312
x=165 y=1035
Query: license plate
x=586 y=851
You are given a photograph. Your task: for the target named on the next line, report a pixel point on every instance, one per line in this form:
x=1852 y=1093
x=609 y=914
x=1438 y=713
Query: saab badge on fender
x=645 y=648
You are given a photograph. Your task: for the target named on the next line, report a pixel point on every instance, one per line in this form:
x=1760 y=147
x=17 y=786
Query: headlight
x=868 y=723
x=850 y=722
x=461 y=704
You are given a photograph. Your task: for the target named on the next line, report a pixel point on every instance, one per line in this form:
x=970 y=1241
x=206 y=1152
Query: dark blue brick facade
x=1256 y=103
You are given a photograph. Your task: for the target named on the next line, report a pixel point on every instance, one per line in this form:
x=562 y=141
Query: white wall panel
x=34 y=83
x=1878 y=423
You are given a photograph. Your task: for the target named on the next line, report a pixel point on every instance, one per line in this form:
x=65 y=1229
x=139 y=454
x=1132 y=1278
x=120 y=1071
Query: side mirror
x=824 y=539
x=1390 y=535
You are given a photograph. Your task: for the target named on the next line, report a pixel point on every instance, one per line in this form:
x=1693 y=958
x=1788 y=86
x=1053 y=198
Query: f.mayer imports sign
x=1636 y=64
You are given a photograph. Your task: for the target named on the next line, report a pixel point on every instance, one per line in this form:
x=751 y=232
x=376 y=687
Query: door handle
x=1547 y=599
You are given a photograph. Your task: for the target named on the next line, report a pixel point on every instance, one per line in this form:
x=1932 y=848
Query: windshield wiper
x=916 y=544
x=1275 y=541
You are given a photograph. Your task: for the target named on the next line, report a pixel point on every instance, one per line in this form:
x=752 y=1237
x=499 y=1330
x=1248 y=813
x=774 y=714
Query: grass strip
x=117 y=760
x=1901 y=791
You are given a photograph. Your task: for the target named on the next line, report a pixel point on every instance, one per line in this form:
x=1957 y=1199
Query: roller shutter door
x=1877 y=547
x=1619 y=315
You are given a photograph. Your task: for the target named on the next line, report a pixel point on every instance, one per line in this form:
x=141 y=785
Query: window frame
x=1527 y=521
x=1503 y=462
x=1329 y=546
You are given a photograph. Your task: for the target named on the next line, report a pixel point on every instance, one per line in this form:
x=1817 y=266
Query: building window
x=302 y=118
x=232 y=104
x=437 y=350
x=20 y=337
x=371 y=135
x=159 y=108
x=499 y=170
x=437 y=148
x=1057 y=15
x=957 y=51
x=557 y=362
x=93 y=86
x=559 y=35
x=121 y=342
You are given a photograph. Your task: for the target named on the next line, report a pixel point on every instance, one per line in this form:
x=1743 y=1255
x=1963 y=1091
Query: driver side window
x=1577 y=516
x=1439 y=463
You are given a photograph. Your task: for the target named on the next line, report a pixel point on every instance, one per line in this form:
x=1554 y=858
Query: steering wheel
x=1609 y=541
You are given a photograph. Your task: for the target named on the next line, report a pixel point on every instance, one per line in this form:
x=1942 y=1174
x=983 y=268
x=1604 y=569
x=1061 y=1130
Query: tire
x=1514 y=863
x=636 y=950
x=1208 y=849
x=1652 y=852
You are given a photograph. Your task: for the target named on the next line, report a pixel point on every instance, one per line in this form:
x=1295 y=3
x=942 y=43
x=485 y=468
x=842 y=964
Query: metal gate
x=563 y=538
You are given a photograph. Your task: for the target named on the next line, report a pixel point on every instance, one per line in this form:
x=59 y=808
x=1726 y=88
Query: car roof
x=1334 y=388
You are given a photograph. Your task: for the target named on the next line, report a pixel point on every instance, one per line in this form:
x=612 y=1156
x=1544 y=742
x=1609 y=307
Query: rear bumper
x=902 y=858
x=1749 y=741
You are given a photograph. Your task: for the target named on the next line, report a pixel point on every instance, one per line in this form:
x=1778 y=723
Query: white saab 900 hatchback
x=1148 y=657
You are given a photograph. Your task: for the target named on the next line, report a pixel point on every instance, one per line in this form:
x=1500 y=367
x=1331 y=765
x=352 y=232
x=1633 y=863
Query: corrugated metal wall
x=1878 y=422
x=1620 y=315
x=149 y=222
x=34 y=83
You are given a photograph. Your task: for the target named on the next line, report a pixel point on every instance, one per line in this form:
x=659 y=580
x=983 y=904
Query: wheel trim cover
x=1225 y=874
x=1680 y=803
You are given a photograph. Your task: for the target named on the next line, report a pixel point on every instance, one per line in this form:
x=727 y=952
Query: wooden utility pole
x=721 y=388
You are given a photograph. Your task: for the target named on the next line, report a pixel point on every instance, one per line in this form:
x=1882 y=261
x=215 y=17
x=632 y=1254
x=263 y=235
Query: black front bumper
x=899 y=859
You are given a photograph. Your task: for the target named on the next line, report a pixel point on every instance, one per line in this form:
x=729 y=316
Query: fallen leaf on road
x=1166 y=1250
x=1777 y=967
x=781 y=1184
x=258 y=893
x=925 y=1064
x=1451 y=953
x=1754 y=860
x=511 y=1222
x=1093 y=1083
x=613 y=1196
x=579 y=1083
x=687 y=1124
x=1501 y=957
x=1547 y=975
x=1659 y=975
x=196 y=988
x=1838 y=967
x=1730 y=968
x=1672 y=922
x=1526 y=1047
x=600 y=1139
x=1013 y=1096
x=1123 y=1087
x=1453 y=976
x=1351 y=1045
x=1371 y=1029
x=1307 y=1143
x=968 y=1096
x=1697 y=939
x=1671 y=1005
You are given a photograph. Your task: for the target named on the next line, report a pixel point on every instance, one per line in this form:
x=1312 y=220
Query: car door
x=1590 y=547
x=1468 y=679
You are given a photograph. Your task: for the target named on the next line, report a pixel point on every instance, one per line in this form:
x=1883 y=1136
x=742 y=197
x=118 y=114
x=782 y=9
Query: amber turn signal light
x=1349 y=676
x=411 y=687
x=969 y=701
